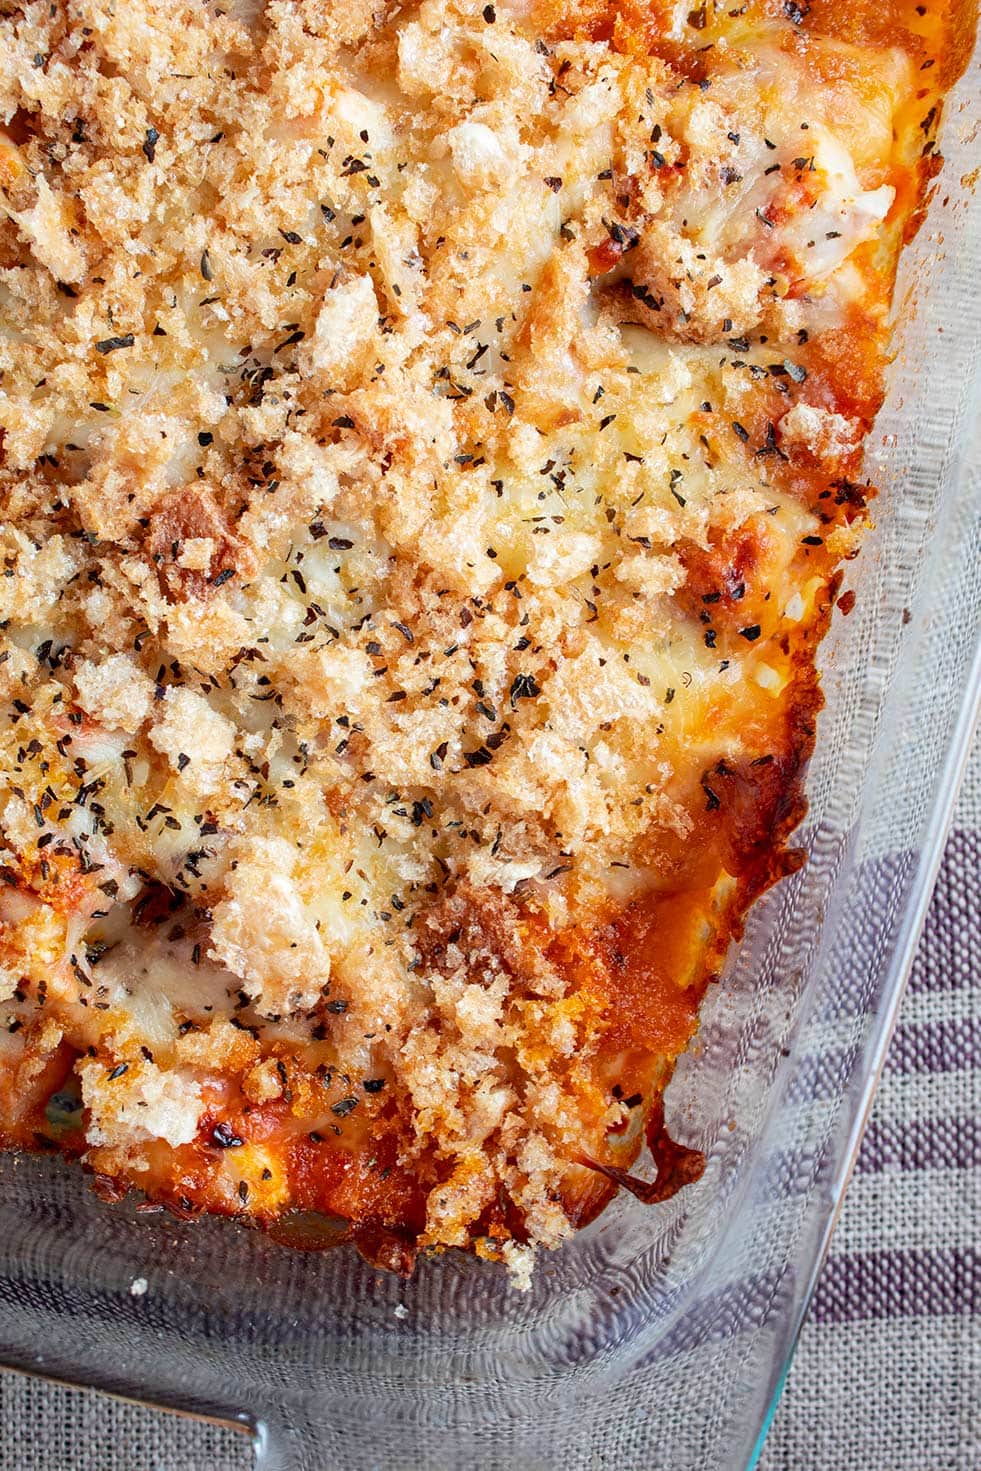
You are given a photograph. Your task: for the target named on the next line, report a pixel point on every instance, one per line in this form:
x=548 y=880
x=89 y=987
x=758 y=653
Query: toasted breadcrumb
x=262 y=933
x=114 y=691
x=195 y=738
x=818 y=432
x=139 y=1103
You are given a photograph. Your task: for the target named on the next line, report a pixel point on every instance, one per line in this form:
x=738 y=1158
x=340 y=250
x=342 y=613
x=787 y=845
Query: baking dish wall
x=662 y=1332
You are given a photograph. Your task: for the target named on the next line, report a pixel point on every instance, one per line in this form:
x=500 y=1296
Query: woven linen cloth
x=887 y=1375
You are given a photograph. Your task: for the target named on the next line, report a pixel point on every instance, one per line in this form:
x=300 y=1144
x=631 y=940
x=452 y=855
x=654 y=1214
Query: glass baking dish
x=660 y=1336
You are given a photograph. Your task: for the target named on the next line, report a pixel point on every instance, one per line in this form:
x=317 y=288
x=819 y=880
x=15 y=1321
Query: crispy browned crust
x=421 y=517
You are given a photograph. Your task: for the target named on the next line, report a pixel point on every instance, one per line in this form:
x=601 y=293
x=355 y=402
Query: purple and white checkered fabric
x=887 y=1376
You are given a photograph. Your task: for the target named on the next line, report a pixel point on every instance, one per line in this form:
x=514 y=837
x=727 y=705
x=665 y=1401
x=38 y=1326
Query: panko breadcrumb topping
x=429 y=435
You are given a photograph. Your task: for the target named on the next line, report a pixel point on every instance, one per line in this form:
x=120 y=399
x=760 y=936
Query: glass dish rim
x=945 y=782
x=948 y=784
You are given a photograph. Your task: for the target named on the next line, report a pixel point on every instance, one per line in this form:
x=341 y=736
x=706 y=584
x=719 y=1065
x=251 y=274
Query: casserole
x=659 y=1307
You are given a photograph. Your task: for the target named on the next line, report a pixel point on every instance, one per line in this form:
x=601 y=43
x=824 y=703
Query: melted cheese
x=427 y=443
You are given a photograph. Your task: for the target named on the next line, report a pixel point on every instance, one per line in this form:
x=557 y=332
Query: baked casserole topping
x=429 y=439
